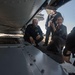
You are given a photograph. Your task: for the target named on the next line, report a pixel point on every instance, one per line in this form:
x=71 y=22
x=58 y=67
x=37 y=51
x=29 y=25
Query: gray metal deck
x=24 y=59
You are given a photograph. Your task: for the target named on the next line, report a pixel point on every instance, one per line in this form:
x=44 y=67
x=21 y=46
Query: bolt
x=42 y=71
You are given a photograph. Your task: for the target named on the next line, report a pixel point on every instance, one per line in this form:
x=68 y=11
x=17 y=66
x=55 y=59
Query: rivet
x=34 y=60
x=42 y=71
x=31 y=64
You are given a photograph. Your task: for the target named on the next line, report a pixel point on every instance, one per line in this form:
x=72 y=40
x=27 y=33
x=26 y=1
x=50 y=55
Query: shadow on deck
x=58 y=58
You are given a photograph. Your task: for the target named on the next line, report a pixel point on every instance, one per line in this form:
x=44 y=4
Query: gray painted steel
x=24 y=59
x=16 y=13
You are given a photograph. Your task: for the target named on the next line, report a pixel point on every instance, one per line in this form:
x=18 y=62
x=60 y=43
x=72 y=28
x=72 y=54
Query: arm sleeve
x=27 y=32
x=64 y=33
x=46 y=24
x=40 y=31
